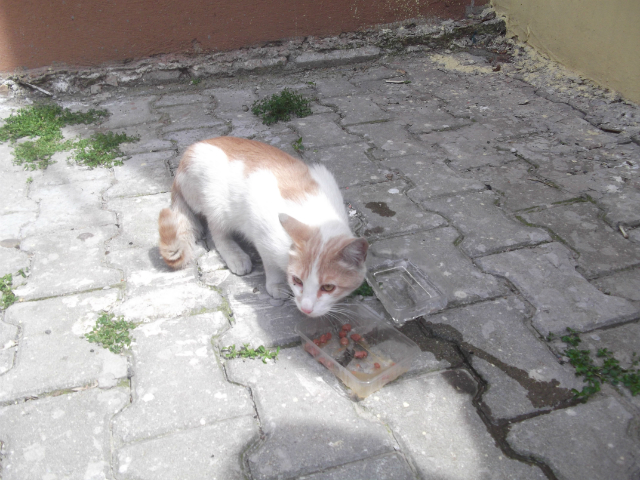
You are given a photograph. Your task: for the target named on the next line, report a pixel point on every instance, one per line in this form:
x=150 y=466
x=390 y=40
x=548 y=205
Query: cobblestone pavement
x=511 y=196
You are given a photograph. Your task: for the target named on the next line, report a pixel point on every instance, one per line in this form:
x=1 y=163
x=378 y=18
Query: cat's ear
x=356 y=252
x=299 y=232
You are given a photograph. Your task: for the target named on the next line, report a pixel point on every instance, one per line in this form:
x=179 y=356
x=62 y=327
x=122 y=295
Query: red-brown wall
x=37 y=33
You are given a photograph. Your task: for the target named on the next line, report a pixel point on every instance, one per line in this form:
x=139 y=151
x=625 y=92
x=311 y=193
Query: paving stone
x=336 y=57
x=283 y=139
x=12 y=260
x=148 y=139
x=138 y=219
x=153 y=290
x=391 y=138
x=431 y=176
x=9 y=342
x=68 y=262
x=540 y=149
x=129 y=111
x=485 y=228
x=423 y=115
x=205 y=452
x=322 y=131
x=184 y=117
x=625 y=284
x=143 y=174
x=349 y=164
x=357 y=109
x=434 y=420
x=52 y=351
x=622 y=208
x=309 y=426
x=518 y=186
x=435 y=254
x=182 y=98
x=576 y=131
x=336 y=87
x=388 y=211
x=231 y=101
x=11 y=224
x=60 y=437
x=469 y=147
x=547 y=278
x=177 y=384
x=67 y=206
x=184 y=138
x=385 y=467
x=523 y=376
x=14 y=194
x=602 y=250
x=590 y=440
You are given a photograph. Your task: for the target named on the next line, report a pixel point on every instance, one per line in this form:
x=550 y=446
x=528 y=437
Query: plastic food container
x=404 y=290
x=389 y=353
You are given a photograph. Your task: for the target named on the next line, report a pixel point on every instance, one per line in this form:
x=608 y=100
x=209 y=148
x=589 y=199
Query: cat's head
x=324 y=266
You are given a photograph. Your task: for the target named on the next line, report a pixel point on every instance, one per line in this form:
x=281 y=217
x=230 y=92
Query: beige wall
x=599 y=39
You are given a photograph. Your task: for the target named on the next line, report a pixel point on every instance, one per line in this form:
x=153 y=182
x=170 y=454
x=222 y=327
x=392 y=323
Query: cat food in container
x=371 y=353
x=404 y=290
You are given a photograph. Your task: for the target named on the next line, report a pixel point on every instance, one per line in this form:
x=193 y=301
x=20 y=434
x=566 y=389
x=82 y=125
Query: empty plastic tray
x=404 y=290
x=389 y=352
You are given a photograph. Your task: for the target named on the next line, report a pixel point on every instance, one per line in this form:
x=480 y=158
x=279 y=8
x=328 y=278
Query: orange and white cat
x=292 y=213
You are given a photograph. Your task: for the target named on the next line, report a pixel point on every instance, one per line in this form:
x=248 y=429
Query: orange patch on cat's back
x=294 y=179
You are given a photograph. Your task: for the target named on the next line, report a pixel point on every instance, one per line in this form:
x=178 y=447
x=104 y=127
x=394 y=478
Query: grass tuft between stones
x=111 y=334
x=7 y=297
x=245 y=351
x=42 y=124
x=280 y=106
x=606 y=369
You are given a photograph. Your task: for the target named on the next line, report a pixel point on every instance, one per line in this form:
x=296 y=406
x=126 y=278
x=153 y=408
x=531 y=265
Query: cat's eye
x=328 y=288
x=297 y=281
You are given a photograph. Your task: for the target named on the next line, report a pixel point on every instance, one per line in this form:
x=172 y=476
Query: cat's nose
x=306 y=310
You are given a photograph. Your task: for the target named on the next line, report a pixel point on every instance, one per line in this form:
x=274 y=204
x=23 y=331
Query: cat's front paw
x=239 y=263
x=278 y=290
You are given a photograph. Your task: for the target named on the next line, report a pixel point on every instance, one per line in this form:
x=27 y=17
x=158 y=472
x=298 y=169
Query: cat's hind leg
x=236 y=259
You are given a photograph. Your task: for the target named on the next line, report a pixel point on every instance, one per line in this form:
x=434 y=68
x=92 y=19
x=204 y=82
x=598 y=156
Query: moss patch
x=281 y=106
x=111 y=334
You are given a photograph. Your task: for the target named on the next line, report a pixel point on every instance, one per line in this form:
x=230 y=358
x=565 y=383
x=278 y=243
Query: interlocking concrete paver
x=587 y=441
x=388 y=211
x=435 y=254
x=68 y=262
x=308 y=425
x=143 y=174
x=52 y=353
x=436 y=424
x=177 y=383
x=485 y=228
x=349 y=164
x=76 y=442
x=602 y=250
x=546 y=276
x=522 y=374
x=206 y=452
x=426 y=137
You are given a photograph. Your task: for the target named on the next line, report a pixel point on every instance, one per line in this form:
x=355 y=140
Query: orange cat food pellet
x=360 y=354
x=344 y=341
x=342 y=334
x=376 y=365
x=346 y=327
x=328 y=335
x=355 y=337
x=317 y=341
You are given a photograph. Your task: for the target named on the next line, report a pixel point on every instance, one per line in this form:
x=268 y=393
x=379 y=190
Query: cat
x=294 y=214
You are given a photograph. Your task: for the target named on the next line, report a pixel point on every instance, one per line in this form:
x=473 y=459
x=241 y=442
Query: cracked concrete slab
x=185 y=117
x=52 y=353
x=138 y=217
x=391 y=139
x=76 y=442
x=485 y=228
x=142 y=174
x=322 y=131
x=125 y=112
x=385 y=467
x=357 y=109
x=546 y=276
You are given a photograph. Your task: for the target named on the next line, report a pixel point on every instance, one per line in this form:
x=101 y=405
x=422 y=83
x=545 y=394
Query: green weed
x=245 y=351
x=111 y=334
x=606 y=370
x=365 y=290
x=101 y=150
x=195 y=81
x=298 y=146
x=280 y=107
x=7 y=297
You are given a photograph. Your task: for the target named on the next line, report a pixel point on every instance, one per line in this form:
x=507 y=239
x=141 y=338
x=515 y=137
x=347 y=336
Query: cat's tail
x=178 y=229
